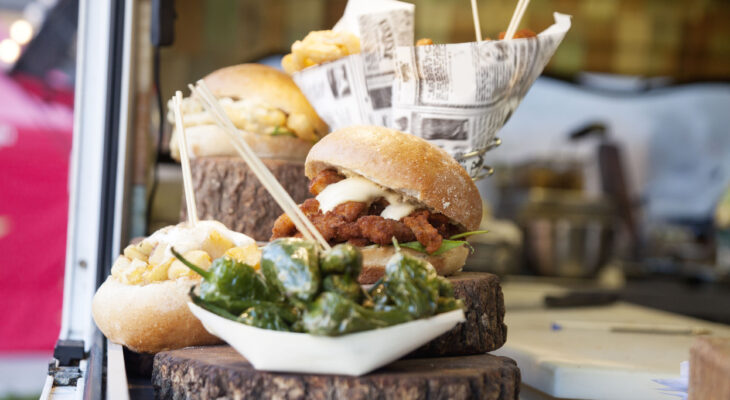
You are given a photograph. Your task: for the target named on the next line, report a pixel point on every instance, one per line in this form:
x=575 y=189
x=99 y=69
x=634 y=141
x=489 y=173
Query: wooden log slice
x=484 y=329
x=709 y=368
x=227 y=190
x=218 y=372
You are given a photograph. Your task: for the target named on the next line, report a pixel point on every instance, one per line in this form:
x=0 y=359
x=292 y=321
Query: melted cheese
x=362 y=190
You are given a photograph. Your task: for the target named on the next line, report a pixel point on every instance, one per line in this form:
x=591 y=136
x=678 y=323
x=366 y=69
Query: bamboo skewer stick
x=185 y=162
x=477 y=26
x=516 y=18
x=303 y=224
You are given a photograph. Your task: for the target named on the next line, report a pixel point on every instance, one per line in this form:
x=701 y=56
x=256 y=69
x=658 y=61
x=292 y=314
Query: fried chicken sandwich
x=374 y=185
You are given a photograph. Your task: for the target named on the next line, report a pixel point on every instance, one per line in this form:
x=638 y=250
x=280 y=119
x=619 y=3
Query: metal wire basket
x=477 y=169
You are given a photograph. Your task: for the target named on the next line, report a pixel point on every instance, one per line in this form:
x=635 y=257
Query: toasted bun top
x=266 y=84
x=404 y=163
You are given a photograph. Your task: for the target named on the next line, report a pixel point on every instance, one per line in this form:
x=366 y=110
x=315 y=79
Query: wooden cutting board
x=220 y=372
x=576 y=363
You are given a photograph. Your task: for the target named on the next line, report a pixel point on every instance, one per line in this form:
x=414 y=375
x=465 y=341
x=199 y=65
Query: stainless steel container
x=567 y=233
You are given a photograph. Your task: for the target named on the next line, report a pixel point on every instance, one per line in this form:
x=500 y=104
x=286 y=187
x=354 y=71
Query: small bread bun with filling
x=265 y=104
x=143 y=303
x=373 y=184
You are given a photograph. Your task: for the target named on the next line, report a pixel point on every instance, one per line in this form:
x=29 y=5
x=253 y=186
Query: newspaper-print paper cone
x=358 y=89
x=458 y=96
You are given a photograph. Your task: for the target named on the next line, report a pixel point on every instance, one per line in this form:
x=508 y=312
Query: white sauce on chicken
x=364 y=191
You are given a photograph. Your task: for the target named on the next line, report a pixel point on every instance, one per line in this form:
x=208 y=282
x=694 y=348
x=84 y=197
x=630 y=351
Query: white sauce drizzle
x=362 y=190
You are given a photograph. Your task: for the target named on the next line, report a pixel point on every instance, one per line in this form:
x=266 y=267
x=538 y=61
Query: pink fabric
x=35 y=146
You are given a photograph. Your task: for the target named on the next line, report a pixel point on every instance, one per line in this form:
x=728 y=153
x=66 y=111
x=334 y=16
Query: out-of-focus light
x=9 y=51
x=21 y=31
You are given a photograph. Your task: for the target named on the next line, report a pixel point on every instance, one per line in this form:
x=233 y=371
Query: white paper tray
x=354 y=354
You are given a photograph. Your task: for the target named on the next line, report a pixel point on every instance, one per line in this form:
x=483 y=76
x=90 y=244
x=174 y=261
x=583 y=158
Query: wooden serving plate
x=215 y=372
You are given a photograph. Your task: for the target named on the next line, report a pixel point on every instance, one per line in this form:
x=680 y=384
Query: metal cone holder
x=479 y=170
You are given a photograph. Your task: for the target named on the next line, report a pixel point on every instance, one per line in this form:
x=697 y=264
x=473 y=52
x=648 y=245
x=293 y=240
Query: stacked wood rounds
x=452 y=366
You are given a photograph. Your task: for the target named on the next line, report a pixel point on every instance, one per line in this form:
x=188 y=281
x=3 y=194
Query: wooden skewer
x=516 y=18
x=303 y=224
x=185 y=162
x=477 y=26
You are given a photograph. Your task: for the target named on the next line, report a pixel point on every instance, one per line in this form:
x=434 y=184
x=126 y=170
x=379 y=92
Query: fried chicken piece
x=426 y=234
x=443 y=225
x=283 y=227
x=424 y=42
x=324 y=179
x=381 y=230
x=350 y=211
x=310 y=207
x=348 y=231
x=359 y=242
x=327 y=224
x=521 y=34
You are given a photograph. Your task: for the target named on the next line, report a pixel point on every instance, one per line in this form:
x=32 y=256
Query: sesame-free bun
x=403 y=163
x=375 y=258
x=266 y=85
x=149 y=318
x=212 y=141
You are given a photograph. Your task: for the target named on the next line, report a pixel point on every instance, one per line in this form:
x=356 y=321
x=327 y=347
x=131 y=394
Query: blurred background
x=613 y=175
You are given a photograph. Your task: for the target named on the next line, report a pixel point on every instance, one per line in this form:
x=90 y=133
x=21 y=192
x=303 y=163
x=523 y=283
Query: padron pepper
x=231 y=285
x=266 y=316
x=344 y=259
x=261 y=314
x=292 y=266
x=446 y=301
x=343 y=285
x=332 y=314
x=410 y=284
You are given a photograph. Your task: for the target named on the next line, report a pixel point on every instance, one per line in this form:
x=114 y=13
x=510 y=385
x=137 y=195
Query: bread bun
x=403 y=163
x=264 y=84
x=376 y=257
x=149 y=318
x=211 y=141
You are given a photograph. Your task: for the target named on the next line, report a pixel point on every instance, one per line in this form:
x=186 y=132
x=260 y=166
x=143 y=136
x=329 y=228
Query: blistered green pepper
x=333 y=315
x=232 y=285
x=446 y=301
x=292 y=266
x=266 y=316
x=261 y=314
x=343 y=259
x=410 y=284
x=343 y=285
